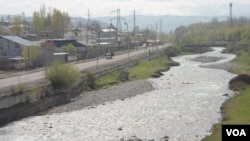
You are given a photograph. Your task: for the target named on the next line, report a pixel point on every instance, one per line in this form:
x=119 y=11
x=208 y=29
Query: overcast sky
x=100 y=8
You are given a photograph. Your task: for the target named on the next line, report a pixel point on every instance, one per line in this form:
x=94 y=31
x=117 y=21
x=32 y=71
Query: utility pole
x=155 y=33
x=128 y=42
x=118 y=26
x=161 y=32
x=88 y=24
x=231 y=15
x=134 y=23
x=97 y=49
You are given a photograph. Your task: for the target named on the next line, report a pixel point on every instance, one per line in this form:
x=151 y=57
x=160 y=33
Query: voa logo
x=236 y=132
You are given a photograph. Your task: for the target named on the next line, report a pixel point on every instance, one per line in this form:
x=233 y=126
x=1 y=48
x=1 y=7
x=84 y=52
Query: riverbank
x=235 y=110
x=94 y=98
x=111 y=89
x=179 y=107
x=129 y=89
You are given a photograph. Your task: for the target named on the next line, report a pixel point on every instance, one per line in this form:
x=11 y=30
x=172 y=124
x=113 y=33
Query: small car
x=108 y=55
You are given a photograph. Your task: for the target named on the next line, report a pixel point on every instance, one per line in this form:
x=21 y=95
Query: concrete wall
x=42 y=96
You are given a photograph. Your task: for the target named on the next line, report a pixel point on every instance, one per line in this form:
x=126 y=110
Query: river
x=184 y=106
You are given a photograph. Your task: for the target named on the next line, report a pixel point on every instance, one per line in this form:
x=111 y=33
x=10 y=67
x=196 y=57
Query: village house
x=11 y=52
x=11 y=46
x=81 y=48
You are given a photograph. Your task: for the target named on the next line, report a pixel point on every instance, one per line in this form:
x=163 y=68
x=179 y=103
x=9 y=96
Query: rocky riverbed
x=211 y=59
x=94 y=98
x=182 y=105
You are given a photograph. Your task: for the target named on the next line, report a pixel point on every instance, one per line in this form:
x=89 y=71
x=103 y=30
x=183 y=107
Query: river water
x=184 y=106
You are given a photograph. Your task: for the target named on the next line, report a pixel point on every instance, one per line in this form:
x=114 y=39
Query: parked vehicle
x=108 y=55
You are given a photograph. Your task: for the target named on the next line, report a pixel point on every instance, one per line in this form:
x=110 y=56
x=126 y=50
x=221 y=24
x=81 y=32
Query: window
x=17 y=46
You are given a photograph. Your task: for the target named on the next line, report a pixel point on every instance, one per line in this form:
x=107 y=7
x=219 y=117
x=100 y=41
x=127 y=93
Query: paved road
x=33 y=76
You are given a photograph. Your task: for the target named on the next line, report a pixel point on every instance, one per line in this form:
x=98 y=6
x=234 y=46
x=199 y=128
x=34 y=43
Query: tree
x=69 y=48
x=95 y=25
x=54 y=20
x=17 y=29
x=30 y=52
x=48 y=48
x=60 y=21
x=36 y=22
x=127 y=41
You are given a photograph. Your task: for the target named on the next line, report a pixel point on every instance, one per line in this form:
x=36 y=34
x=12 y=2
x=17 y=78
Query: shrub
x=91 y=80
x=31 y=95
x=63 y=76
x=19 y=89
x=173 y=51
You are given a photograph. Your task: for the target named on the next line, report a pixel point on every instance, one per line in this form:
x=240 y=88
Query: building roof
x=61 y=42
x=108 y=30
x=18 y=40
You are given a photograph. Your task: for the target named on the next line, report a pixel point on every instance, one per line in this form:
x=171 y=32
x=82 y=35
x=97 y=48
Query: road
x=34 y=76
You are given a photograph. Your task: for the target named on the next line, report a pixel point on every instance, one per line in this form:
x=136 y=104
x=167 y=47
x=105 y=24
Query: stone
x=165 y=138
x=120 y=128
x=173 y=64
x=123 y=76
x=226 y=95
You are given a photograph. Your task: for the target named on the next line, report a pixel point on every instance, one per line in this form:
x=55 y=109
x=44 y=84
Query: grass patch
x=244 y=60
x=236 y=110
x=109 y=79
x=143 y=69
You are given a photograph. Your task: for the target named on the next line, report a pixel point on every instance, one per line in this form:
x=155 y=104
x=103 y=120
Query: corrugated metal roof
x=108 y=30
x=18 y=40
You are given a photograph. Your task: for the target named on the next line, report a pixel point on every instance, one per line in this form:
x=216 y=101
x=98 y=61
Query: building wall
x=9 y=48
x=12 y=64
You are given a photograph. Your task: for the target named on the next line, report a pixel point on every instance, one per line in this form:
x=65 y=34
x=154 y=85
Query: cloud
x=143 y=7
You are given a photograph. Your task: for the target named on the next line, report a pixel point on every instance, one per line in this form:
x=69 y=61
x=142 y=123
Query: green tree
x=69 y=48
x=36 y=22
x=127 y=42
x=17 y=29
x=30 y=52
x=54 y=20
x=60 y=21
x=63 y=76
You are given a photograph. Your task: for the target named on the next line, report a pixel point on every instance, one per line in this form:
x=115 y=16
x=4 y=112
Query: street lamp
x=110 y=35
x=98 y=31
x=156 y=44
x=127 y=38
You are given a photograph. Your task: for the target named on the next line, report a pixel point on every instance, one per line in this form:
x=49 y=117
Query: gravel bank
x=208 y=63
x=94 y=98
x=206 y=59
x=228 y=66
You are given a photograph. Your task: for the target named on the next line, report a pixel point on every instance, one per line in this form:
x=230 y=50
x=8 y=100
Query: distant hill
x=168 y=22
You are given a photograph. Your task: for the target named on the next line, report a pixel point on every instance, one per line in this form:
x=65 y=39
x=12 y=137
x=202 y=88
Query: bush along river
x=183 y=106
